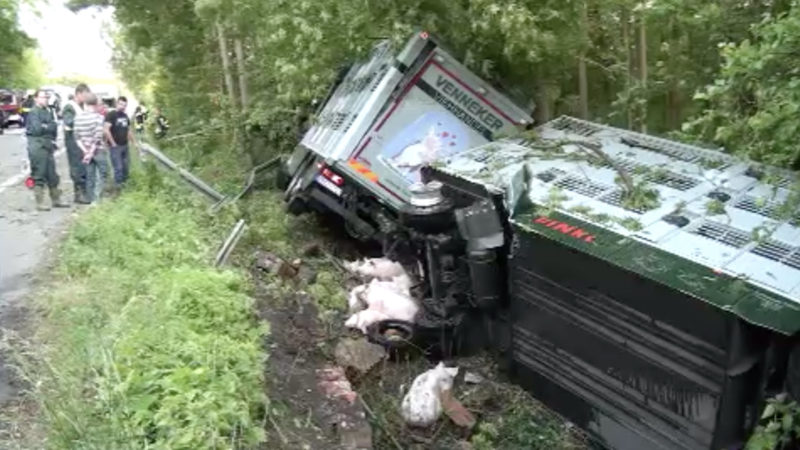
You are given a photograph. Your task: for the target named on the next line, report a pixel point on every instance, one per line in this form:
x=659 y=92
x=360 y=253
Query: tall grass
x=140 y=343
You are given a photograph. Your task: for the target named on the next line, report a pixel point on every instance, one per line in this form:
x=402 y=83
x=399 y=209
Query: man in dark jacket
x=77 y=170
x=41 y=130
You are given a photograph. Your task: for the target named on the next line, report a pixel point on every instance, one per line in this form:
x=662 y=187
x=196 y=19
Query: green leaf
x=769 y=411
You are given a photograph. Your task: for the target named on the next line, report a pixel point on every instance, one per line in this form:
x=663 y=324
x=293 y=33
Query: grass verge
x=140 y=343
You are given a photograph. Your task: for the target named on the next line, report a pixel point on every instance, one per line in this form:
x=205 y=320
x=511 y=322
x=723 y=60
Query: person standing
x=139 y=117
x=117 y=130
x=162 y=126
x=89 y=137
x=41 y=130
x=77 y=170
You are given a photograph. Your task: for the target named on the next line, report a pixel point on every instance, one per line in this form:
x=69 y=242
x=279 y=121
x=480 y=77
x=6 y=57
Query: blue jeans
x=121 y=164
x=96 y=172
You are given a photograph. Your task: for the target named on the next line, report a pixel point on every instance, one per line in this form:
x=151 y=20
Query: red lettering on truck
x=565 y=228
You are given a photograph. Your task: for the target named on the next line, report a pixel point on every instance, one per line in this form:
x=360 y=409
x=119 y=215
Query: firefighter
x=77 y=170
x=41 y=130
x=162 y=126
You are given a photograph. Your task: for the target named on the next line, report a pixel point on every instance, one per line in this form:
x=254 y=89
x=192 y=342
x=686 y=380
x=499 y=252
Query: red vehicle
x=10 y=107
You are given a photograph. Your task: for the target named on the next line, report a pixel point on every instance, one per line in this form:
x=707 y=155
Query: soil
x=298 y=410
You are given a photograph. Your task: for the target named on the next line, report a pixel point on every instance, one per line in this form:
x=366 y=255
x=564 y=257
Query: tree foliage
x=630 y=63
x=17 y=58
x=753 y=106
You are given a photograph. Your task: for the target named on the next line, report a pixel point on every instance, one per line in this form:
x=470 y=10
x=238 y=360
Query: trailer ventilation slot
x=550 y=174
x=615 y=198
x=773 y=250
x=338 y=120
x=674 y=150
x=665 y=178
x=673 y=180
x=576 y=126
x=581 y=186
x=724 y=234
x=762 y=207
x=785 y=182
x=794 y=260
x=350 y=122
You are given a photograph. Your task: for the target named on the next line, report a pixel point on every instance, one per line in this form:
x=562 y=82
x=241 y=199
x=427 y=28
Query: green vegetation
x=142 y=344
x=715 y=207
x=508 y=417
x=780 y=425
x=250 y=67
x=20 y=66
x=512 y=429
x=752 y=106
x=132 y=339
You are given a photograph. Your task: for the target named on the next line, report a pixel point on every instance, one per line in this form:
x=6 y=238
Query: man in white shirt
x=88 y=128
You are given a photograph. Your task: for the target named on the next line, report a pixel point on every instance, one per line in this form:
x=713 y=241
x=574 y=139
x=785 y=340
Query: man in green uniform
x=77 y=170
x=41 y=130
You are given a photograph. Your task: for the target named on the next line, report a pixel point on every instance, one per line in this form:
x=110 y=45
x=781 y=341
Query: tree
x=15 y=48
x=753 y=107
x=628 y=62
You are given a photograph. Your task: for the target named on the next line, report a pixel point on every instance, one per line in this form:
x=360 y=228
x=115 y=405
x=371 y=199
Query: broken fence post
x=230 y=243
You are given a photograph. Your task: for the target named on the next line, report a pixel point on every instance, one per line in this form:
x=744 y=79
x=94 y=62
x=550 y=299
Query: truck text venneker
x=473 y=106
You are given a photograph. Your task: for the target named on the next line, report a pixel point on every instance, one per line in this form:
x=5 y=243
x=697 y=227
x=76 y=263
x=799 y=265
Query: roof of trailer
x=700 y=211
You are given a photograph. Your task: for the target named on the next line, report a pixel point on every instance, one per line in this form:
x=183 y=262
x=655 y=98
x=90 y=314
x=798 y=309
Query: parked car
x=10 y=106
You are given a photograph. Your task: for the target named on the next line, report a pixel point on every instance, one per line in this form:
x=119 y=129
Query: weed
x=328 y=292
x=779 y=427
x=143 y=345
x=715 y=207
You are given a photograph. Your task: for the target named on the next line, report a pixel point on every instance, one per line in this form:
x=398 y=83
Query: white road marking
x=19 y=178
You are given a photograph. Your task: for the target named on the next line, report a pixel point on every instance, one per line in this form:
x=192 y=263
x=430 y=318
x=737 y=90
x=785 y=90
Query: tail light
x=333 y=176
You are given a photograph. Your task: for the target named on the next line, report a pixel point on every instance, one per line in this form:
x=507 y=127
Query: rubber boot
x=38 y=192
x=80 y=196
x=55 y=198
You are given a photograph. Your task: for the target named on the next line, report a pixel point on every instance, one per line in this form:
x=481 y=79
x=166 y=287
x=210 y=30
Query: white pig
x=422 y=405
x=381 y=268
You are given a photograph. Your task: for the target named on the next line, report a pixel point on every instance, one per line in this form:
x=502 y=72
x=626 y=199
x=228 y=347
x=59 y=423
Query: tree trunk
x=226 y=63
x=643 y=70
x=240 y=67
x=583 y=83
x=542 y=113
x=626 y=39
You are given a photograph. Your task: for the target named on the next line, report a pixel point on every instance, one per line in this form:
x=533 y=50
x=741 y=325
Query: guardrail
x=220 y=200
x=197 y=183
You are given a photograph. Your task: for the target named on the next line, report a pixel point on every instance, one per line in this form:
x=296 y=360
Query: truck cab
x=385 y=119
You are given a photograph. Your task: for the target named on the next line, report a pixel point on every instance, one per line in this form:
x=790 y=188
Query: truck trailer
x=647 y=290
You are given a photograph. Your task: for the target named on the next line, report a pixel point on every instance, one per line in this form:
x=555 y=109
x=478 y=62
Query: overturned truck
x=647 y=290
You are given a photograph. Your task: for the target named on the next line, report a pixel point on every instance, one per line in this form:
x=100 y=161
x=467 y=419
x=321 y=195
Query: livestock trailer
x=653 y=288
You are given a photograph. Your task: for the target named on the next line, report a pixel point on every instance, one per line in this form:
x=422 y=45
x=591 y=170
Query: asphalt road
x=26 y=237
